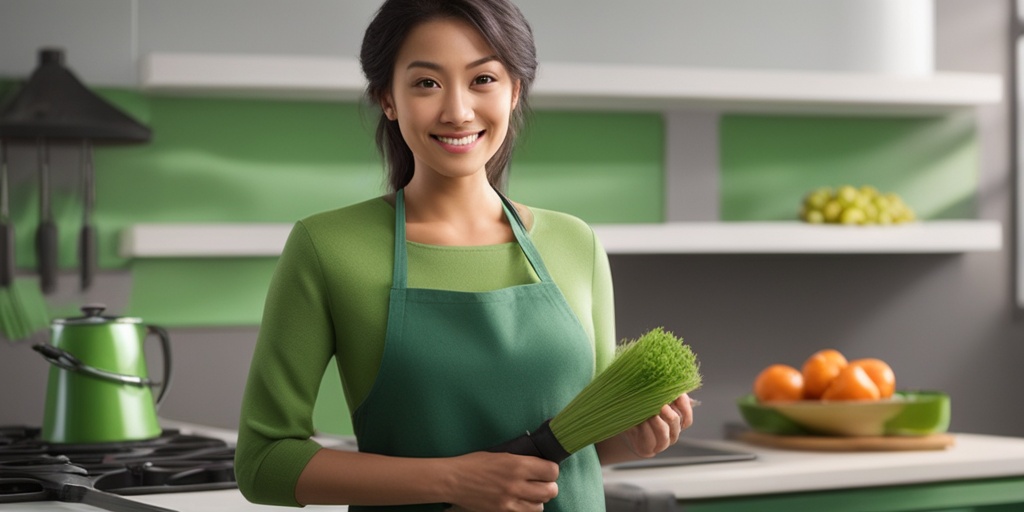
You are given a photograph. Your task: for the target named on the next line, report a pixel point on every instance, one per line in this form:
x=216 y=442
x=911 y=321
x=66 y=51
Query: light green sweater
x=329 y=297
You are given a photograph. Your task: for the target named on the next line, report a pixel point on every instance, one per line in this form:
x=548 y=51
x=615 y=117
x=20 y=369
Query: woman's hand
x=503 y=482
x=659 y=432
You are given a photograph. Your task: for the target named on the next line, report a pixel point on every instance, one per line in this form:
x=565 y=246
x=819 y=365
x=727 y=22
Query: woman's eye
x=480 y=80
x=427 y=83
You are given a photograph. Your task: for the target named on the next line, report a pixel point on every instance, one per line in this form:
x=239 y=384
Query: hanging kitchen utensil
x=87 y=236
x=9 y=320
x=22 y=308
x=6 y=228
x=46 y=232
x=54 y=104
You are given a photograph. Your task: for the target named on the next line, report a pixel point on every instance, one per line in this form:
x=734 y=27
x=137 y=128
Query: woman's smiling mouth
x=459 y=144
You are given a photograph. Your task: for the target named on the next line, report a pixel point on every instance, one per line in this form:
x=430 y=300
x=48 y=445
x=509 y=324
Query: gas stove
x=100 y=474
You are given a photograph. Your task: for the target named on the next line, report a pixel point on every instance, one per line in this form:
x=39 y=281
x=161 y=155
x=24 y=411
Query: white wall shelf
x=605 y=87
x=577 y=86
x=933 y=237
x=795 y=237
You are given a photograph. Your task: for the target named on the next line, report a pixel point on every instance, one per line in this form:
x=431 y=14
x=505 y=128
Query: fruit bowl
x=906 y=413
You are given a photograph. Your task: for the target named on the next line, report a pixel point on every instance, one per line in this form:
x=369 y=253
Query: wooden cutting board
x=849 y=444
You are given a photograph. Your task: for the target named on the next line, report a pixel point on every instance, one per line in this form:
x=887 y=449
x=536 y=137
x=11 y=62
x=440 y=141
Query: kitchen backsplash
x=769 y=162
x=248 y=160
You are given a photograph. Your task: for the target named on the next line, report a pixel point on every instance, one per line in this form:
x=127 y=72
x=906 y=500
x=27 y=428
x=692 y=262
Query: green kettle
x=99 y=390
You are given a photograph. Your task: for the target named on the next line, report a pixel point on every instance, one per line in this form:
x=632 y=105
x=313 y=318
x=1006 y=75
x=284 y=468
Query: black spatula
x=6 y=228
x=46 y=233
x=87 y=235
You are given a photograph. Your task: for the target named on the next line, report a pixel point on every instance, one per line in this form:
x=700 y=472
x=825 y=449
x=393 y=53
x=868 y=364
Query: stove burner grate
x=172 y=462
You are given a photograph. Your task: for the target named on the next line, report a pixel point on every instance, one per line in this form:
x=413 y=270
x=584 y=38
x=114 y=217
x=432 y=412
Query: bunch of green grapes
x=852 y=206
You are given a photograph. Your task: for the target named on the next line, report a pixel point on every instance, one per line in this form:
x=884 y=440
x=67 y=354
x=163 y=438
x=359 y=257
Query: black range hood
x=54 y=104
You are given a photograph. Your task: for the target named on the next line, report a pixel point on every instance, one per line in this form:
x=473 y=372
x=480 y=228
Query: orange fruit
x=779 y=382
x=880 y=373
x=819 y=370
x=852 y=383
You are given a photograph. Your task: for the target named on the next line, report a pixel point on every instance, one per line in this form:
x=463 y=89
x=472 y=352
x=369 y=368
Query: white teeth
x=462 y=141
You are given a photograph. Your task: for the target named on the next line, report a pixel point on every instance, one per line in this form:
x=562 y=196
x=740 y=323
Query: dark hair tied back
x=501 y=24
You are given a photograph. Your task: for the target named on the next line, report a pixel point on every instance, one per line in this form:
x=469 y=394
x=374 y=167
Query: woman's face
x=451 y=97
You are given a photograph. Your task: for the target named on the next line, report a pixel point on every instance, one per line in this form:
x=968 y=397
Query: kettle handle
x=65 y=360
x=165 y=345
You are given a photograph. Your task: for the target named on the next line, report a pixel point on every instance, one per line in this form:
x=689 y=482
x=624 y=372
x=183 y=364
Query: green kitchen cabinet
x=977 y=473
x=995 y=495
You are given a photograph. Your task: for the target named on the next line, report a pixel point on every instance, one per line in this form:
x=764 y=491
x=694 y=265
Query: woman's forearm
x=355 y=478
x=476 y=481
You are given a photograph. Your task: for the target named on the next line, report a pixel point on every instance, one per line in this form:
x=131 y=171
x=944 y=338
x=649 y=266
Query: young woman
x=459 y=319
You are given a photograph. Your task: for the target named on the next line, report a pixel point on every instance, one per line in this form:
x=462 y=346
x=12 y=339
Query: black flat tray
x=685 y=453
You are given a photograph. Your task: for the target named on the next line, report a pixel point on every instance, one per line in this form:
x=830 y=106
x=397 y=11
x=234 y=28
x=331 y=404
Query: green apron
x=465 y=371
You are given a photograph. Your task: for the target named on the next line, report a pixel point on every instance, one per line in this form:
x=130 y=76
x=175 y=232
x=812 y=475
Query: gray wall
x=105 y=38
x=944 y=322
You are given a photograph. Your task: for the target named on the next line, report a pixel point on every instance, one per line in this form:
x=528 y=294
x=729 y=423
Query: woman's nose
x=457 y=109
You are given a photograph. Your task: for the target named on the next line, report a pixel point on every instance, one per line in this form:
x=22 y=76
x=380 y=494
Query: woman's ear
x=515 y=93
x=387 y=104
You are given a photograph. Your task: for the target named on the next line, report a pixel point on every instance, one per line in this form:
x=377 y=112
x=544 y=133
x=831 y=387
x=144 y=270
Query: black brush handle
x=6 y=255
x=539 y=443
x=46 y=252
x=87 y=255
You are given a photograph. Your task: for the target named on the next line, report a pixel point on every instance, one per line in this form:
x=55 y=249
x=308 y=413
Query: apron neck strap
x=400 y=275
x=525 y=243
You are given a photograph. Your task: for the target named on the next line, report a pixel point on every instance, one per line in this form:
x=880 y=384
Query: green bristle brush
x=646 y=374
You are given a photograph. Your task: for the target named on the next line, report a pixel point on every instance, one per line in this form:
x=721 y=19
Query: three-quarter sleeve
x=294 y=346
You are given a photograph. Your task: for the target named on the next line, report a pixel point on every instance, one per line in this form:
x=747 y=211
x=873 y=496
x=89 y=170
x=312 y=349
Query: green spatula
x=23 y=310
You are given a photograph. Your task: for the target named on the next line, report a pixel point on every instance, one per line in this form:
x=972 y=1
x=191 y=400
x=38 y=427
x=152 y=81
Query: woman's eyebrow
x=437 y=67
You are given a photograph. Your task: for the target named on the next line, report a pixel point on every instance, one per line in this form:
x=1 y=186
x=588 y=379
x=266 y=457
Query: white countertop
x=774 y=471
x=782 y=471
